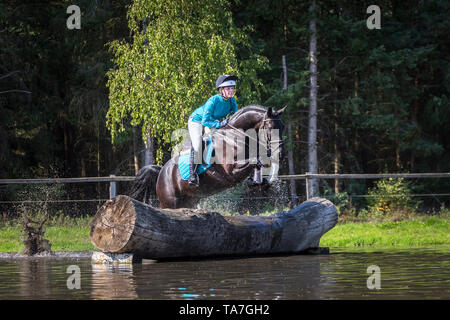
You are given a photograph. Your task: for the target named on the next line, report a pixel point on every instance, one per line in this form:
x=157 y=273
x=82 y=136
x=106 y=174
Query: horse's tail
x=144 y=185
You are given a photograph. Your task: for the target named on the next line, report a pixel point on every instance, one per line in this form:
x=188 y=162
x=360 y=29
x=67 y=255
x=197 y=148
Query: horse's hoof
x=194 y=183
x=253 y=183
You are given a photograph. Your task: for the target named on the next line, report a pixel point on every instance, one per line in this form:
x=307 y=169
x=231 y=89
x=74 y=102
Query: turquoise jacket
x=215 y=109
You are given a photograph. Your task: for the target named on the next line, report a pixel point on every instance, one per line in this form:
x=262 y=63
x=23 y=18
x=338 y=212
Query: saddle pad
x=183 y=161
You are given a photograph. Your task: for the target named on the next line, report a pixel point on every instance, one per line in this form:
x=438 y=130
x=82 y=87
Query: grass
x=64 y=234
x=411 y=233
x=61 y=238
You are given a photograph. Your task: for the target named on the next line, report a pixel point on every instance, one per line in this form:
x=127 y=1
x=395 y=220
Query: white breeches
x=195 y=133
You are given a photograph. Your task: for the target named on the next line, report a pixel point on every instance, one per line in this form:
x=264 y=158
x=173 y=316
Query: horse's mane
x=249 y=108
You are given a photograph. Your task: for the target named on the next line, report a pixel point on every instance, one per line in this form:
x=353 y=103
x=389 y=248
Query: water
x=416 y=273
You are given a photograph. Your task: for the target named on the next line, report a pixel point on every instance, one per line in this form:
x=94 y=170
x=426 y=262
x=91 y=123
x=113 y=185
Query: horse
x=249 y=129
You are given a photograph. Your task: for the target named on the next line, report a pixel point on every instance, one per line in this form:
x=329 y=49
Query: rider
x=209 y=115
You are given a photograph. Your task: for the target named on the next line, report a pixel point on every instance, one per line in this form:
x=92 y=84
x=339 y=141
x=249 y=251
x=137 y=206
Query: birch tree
x=178 y=50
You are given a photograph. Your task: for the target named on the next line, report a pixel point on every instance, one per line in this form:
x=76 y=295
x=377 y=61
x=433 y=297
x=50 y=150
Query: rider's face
x=228 y=92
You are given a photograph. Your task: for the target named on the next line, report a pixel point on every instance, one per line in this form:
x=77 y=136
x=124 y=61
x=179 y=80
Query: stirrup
x=193 y=176
x=194 y=180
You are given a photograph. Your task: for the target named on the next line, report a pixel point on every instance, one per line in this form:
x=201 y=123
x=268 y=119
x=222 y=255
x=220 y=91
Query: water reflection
x=405 y=274
x=253 y=278
x=31 y=279
x=113 y=282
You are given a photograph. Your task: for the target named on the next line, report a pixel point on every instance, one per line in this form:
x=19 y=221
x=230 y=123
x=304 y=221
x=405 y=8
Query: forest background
x=383 y=98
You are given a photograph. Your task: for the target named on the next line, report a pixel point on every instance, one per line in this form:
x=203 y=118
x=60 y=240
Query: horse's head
x=269 y=127
x=273 y=128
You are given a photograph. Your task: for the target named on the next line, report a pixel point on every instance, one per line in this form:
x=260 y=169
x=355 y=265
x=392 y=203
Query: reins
x=240 y=131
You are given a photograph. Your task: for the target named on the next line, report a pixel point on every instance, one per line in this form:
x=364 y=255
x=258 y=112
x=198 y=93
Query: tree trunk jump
x=125 y=225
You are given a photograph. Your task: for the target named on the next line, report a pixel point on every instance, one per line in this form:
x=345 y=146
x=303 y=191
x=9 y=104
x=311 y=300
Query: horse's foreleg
x=274 y=168
x=239 y=174
x=257 y=176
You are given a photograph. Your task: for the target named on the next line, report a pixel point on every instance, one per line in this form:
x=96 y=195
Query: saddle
x=183 y=158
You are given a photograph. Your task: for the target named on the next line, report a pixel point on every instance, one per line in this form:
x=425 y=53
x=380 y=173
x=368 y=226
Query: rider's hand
x=224 y=123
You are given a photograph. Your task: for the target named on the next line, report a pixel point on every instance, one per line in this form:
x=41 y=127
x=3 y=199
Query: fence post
x=112 y=188
x=291 y=166
x=307 y=186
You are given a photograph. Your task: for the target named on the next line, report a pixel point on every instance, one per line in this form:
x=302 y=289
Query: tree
x=178 y=49
x=313 y=187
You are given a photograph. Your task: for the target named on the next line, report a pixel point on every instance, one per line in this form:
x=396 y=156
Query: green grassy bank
x=411 y=233
x=415 y=232
x=64 y=234
x=62 y=238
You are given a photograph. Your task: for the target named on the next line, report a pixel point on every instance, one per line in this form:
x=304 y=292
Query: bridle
x=267 y=131
x=269 y=136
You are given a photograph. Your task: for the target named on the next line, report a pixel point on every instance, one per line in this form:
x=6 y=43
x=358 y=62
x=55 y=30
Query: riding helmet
x=225 y=80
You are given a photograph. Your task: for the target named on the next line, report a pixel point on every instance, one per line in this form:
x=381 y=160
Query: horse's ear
x=279 y=112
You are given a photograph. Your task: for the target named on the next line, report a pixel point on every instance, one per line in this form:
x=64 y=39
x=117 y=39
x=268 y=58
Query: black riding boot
x=193 y=176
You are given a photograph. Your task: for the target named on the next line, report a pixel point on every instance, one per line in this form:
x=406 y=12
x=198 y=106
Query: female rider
x=210 y=115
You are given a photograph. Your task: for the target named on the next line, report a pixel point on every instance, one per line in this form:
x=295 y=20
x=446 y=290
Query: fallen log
x=125 y=225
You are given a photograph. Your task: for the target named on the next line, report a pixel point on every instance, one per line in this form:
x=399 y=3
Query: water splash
x=246 y=199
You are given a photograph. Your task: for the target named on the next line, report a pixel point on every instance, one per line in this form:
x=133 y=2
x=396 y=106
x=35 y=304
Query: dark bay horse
x=250 y=128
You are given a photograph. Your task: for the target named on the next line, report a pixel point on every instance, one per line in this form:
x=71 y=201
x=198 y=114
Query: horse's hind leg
x=175 y=203
x=144 y=186
x=169 y=203
x=189 y=202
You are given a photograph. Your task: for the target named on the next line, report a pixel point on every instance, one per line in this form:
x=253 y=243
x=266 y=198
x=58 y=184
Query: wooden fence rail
x=309 y=176
x=364 y=176
x=112 y=179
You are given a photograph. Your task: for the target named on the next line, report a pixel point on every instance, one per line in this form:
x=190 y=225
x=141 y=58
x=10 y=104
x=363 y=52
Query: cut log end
x=113 y=224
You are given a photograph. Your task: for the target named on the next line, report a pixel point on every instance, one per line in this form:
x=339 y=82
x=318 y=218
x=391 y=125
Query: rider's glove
x=224 y=123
